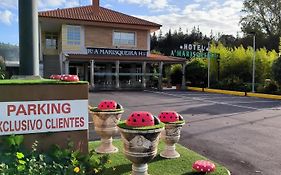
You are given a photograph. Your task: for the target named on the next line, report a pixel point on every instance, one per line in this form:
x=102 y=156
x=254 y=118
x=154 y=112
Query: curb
x=237 y=93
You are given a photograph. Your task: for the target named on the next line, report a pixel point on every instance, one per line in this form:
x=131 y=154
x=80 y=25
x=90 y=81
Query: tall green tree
x=153 y=42
x=262 y=16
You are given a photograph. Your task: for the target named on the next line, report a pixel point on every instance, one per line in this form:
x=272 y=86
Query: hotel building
x=109 y=49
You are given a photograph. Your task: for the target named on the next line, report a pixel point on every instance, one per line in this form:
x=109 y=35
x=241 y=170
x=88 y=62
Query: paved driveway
x=242 y=133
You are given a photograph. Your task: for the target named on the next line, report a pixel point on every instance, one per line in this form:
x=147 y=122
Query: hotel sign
x=193 y=51
x=116 y=52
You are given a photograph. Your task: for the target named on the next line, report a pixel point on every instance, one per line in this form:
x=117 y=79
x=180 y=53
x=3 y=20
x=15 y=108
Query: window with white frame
x=51 y=40
x=124 y=38
x=73 y=35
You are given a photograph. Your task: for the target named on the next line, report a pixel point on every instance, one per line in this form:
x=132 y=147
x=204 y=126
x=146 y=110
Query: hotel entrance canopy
x=124 y=72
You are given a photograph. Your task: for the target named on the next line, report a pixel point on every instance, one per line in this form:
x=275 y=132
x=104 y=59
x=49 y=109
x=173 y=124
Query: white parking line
x=204 y=100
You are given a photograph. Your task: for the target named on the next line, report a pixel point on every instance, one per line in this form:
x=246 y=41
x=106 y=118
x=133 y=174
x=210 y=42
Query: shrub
x=14 y=159
x=232 y=83
x=196 y=72
x=165 y=80
x=276 y=70
x=176 y=74
x=3 y=73
x=269 y=87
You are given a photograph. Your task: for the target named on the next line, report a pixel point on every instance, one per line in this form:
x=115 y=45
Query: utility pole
x=209 y=64
x=28 y=37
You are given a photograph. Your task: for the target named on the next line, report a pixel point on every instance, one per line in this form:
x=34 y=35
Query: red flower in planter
x=56 y=77
x=140 y=119
x=107 y=104
x=169 y=116
x=204 y=166
x=69 y=78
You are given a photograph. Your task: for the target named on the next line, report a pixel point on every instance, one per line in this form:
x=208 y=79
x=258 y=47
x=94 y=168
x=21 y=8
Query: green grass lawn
x=39 y=81
x=159 y=165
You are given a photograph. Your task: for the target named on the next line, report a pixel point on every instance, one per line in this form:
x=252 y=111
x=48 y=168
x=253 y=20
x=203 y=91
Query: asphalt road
x=242 y=133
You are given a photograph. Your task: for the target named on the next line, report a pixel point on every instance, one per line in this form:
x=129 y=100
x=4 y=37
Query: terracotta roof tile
x=89 y=13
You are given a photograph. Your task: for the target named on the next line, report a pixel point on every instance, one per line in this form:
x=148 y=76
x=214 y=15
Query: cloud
x=8 y=4
x=51 y=4
x=6 y=17
x=42 y=4
x=155 y=5
x=108 y=6
x=222 y=19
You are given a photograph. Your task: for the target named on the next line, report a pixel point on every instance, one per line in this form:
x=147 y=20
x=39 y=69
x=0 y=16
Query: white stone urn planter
x=171 y=134
x=140 y=144
x=105 y=124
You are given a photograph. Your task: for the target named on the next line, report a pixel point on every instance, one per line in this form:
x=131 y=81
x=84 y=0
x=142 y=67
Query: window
x=51 y=41
x=124 y=38
x=73 y=35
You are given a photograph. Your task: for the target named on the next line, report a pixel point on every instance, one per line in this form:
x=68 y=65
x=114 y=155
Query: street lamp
x=254 y=60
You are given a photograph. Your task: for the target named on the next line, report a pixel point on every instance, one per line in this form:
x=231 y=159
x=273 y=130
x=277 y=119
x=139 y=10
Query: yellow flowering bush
x=76 y=169
x=16 y=160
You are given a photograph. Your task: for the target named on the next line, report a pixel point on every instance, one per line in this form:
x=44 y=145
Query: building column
x=109 y=74
x=66 y=67
x=144 y=74
x=183 y=87
x=117 y=65
x=92 y=71
x=28 y=37
x=133 y=71
x=160 y=76
x=86 y=72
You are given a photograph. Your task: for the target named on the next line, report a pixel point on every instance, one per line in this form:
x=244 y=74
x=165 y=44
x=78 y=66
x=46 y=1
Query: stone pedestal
x=140 y=147
x=171 y=136
x=106 y=127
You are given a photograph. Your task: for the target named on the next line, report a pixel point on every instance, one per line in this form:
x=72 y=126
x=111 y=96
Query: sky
x=218 y=16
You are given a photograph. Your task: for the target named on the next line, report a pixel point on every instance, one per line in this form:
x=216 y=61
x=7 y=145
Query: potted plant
x=171 y=135
x=105 y=118
x=140 y=135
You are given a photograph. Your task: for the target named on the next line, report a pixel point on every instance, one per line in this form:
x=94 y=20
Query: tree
x=168 y=44
x=262 y=17
x=228 y=40
x=280 y=46
x=176 y=74
x=196 y=72
x=153 y=42
x=276 y=70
